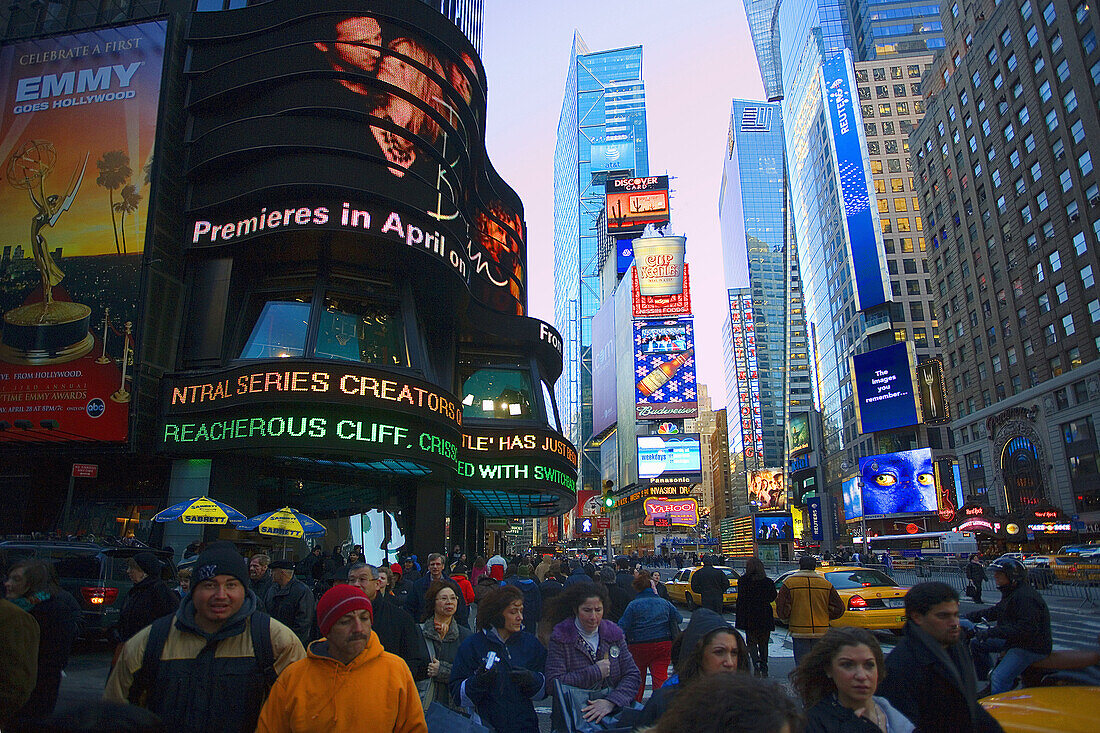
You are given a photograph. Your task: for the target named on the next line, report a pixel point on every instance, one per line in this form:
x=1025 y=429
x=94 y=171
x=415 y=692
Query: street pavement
x=1075 y=624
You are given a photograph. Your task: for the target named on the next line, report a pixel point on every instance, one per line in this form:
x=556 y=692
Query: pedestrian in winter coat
x=578 y=575
x=975 y=573
x=709 y=645
x=415 y=604
x=807 y=602
x=930 y=675
x=837 y=680
x=658 y=584
x=458 y=575
x=31 y=586
x=395 y=628
x=728 y=702
x=290 y=601
x=499 y=670
x=147 y=600
x=18 y=658
x=443 y=636
x=348 y=682
x=710 y=584
x=588 y=651
x=478 y=570
x=755 y=593
x=259 y=574
x=650 y=623
x=543 y=568
x=210 y=639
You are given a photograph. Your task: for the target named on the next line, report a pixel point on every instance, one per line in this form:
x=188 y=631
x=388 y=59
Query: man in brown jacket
x=18 y=658
x=807 y=602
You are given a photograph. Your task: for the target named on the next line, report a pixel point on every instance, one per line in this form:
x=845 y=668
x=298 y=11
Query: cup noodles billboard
x=659 y=262
x=660 y=306
x=680 y=511
x=634 y=202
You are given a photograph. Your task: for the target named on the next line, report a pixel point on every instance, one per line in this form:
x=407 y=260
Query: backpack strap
x=260 y=624
x=146 y=676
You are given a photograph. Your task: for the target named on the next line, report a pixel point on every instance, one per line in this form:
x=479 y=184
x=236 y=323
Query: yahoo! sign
x=680 y=511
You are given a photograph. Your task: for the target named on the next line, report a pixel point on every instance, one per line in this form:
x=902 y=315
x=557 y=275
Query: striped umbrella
x=200 y=510
x=285 y=523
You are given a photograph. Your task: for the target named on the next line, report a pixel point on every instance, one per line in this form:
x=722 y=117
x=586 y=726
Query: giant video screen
x=662 y=455
x=369 y=122
x=773 y=528
x=77 y=130
x=634 y=202
x=884 y=393
x=898 y=483
x=768 y=489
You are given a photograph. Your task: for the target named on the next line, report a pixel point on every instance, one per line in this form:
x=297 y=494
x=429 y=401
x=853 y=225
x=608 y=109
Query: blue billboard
x=853 y=498
x=613 y=156
x=773 y=528
x=604 y=380
x=884 y=394
x=813 y=516
x=898 y=483
x=846 y=126
x=624 y=255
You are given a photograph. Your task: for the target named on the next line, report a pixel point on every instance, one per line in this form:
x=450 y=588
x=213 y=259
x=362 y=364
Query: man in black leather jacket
x=1021 y=627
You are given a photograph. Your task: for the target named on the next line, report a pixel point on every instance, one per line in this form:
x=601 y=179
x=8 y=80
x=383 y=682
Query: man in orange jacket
x=347 y=682
x=807 y=602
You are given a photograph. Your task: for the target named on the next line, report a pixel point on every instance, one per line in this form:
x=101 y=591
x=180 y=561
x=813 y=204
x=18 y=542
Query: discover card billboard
x=77 y=132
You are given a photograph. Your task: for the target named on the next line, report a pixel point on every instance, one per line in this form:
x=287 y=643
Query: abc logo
x=95 y=407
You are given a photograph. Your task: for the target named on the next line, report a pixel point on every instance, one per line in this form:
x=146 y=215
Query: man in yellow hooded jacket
x=347 y=682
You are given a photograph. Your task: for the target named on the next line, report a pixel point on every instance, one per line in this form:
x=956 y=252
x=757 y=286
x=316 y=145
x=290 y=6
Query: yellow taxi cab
x=1045 y=709
x=872 y=600
x=1075 y=567
x=679 y=588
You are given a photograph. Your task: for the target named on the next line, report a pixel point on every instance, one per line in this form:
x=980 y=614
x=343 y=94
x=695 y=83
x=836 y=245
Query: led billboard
x=861 y=225
x=666 y=378
x=613 y=156
x=624 y=255
x=768 y=490
x=853 y=498
x=367 y=122
x=660 y=455
x=932 y=391
x=798 y=433
x=898 y=483
x=634 y=202
x=884 y=394
x=773 y=528
x=77 y=130
x=747 y=381
x=676 y=511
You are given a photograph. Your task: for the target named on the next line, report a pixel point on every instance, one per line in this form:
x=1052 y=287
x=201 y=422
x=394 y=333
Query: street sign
x=603 y=523
x=85 y=470
x=586 y=525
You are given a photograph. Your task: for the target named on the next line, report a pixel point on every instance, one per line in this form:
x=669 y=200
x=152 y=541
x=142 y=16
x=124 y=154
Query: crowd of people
x=243 y=645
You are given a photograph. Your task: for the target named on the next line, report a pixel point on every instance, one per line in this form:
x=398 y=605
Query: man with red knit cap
x=347 y=682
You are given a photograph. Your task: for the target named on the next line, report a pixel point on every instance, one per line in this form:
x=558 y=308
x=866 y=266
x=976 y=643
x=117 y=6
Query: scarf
x=30 y=601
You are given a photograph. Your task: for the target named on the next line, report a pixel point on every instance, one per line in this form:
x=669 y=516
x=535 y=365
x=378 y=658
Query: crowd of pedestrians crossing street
x=445 y=644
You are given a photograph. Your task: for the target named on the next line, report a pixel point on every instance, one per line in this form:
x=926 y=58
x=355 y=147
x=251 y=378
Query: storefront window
x=499 y=394
x=355 y=329
x=280 y=331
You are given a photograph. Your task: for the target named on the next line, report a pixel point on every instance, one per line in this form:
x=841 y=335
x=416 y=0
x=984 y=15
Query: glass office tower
x=752 y=214
x=885 y=28
x=604 y=102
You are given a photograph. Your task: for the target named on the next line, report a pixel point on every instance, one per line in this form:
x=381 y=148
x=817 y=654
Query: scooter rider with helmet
x=1021 y=627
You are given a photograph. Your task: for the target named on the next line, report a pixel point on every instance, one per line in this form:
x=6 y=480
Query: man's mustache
x=359 y=637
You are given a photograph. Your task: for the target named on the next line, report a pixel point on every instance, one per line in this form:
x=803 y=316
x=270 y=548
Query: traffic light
x=608 y=500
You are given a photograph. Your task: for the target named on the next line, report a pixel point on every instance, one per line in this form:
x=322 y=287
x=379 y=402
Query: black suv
x=94 y=573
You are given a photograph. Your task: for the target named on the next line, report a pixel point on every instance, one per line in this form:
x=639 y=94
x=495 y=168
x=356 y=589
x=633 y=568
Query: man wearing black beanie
x=209 y=666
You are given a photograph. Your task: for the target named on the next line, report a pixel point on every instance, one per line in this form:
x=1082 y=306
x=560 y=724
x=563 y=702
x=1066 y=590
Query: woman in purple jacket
x=589 y=652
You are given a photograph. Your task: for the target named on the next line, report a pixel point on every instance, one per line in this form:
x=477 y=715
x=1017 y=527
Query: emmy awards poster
x=77 y=131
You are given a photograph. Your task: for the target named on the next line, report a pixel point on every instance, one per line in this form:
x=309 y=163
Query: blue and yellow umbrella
x=200 y=510
x=285 y=523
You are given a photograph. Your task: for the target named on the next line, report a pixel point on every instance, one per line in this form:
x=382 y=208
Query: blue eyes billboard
x=897 y=483
x=884 y=394
x=867 y=258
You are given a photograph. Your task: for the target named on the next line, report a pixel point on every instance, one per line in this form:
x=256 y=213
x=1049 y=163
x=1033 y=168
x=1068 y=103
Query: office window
x=1062 y=70
x=1085 y=163
x=1052 y=120
x=1087 y=279
x=1061 y=292
x=1067 y=325
x=1032 y=36
x=1025 y=9
x=1070 y=101
x=1066 y=180
x=1077 y=129
x=1055 y=261
x=1044 y=91
x=1094 y=310
x=1079 y=243
x=901 y=204
x=1048 y=13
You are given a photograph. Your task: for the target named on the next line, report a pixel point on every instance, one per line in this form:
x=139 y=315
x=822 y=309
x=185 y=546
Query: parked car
x=95 y=575
x=1045 y=709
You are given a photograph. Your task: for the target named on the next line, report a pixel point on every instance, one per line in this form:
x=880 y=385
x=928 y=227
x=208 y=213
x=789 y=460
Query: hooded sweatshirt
x=374 y=693
x=205 y=682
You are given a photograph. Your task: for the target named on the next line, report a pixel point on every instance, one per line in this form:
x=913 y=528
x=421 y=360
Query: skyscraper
x=603 y=109
x=752 y=215
x=885 y=28
x=1003 y=163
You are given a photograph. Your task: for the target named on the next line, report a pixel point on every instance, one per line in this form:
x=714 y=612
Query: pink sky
x=697 y=56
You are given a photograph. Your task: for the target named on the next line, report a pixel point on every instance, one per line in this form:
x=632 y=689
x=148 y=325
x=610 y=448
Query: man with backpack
x=209 y=666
